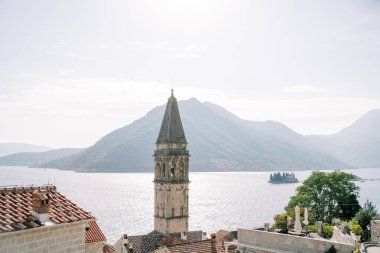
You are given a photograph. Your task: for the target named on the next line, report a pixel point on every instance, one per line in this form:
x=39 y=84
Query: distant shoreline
x=197 y=171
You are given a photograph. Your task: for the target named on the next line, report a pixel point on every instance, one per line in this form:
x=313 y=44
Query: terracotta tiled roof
x=16 y=208
x=221 y=237
x=194 y=236
x=194 y=247
x=150 y=242
x=206 y=246
x=170 y=240
x=145 y=243
x=108 y=248
x=94 y=234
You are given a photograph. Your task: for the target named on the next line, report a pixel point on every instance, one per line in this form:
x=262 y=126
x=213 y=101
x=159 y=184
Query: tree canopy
x=328 y=195
x=365 y=215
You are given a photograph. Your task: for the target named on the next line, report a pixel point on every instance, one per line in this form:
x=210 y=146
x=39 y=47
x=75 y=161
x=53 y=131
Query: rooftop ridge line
x=12 y=188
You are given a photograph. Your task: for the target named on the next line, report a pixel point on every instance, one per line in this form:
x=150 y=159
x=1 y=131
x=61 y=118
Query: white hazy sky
x=71 y=71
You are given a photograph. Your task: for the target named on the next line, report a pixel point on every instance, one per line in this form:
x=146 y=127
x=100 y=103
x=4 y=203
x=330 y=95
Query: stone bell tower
x=171 y=174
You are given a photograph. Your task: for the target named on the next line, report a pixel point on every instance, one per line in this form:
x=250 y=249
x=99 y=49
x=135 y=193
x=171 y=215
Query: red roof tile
x=220 y=237
x=16 y=208
x=94 y=234
x=108 y=249
x=170 y=240
x=206 y=246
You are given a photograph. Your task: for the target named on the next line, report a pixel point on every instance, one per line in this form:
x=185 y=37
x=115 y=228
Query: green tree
x=349 y=208
x=365 y=215
x=327 y=195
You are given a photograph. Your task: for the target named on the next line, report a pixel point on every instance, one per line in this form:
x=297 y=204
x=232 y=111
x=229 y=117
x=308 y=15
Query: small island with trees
x=283 y=178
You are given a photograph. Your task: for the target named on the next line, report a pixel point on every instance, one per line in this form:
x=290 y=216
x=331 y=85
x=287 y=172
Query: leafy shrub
x=327 y=231
x=356 y=229
x=280 y=221
x=312 y=228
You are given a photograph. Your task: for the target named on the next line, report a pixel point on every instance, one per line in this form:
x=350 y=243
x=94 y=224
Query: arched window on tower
x=163 y=170
x=172 y=169
x=172 y=212
x=182 y=213
x=182 y=170
x=158 y=170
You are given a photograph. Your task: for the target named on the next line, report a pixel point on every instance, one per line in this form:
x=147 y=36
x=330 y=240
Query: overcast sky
x=72 y=71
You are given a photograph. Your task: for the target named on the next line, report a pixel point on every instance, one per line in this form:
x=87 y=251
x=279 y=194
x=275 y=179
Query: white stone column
x=297 y=225
x=319 y=227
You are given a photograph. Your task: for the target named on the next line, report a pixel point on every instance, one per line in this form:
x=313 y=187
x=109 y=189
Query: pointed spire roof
x=171 y=128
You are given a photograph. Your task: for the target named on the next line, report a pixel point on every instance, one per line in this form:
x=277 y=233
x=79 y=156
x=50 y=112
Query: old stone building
x=216 y=244
x=154 y=240
x=171 y=197
x=40 y=219
x=171 y=174
x=260 y=241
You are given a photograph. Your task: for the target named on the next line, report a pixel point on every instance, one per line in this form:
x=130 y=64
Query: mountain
x=12 y=148
x=218 y=141
x=358 y=144
x=32 y=158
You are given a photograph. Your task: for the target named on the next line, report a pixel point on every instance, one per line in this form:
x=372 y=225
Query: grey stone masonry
x=94 y=247
x=375 y=230
x=171 y=130
x=62 y=238
x=262 y=241
x=171 y=174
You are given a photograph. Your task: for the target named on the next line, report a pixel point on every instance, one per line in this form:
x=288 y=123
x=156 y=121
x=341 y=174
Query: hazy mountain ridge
x=218 y=141
x=33 y=158
x=357 y=144
x=13 y=148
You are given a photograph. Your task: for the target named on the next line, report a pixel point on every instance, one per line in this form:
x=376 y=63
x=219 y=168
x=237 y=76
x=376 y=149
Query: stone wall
x=118 y=245
x=179 y=224
x=94 y=247
x=63 y=238
x=171 y=207
x=262 y=241
x=375 y=230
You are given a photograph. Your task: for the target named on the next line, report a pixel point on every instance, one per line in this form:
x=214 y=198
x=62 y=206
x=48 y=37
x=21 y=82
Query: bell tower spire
x=171 y=173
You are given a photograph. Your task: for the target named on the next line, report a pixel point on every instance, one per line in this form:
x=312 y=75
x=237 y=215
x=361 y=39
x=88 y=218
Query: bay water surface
x=123 y=202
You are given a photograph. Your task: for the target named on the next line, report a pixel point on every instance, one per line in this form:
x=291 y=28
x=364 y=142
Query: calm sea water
x=123 y=202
